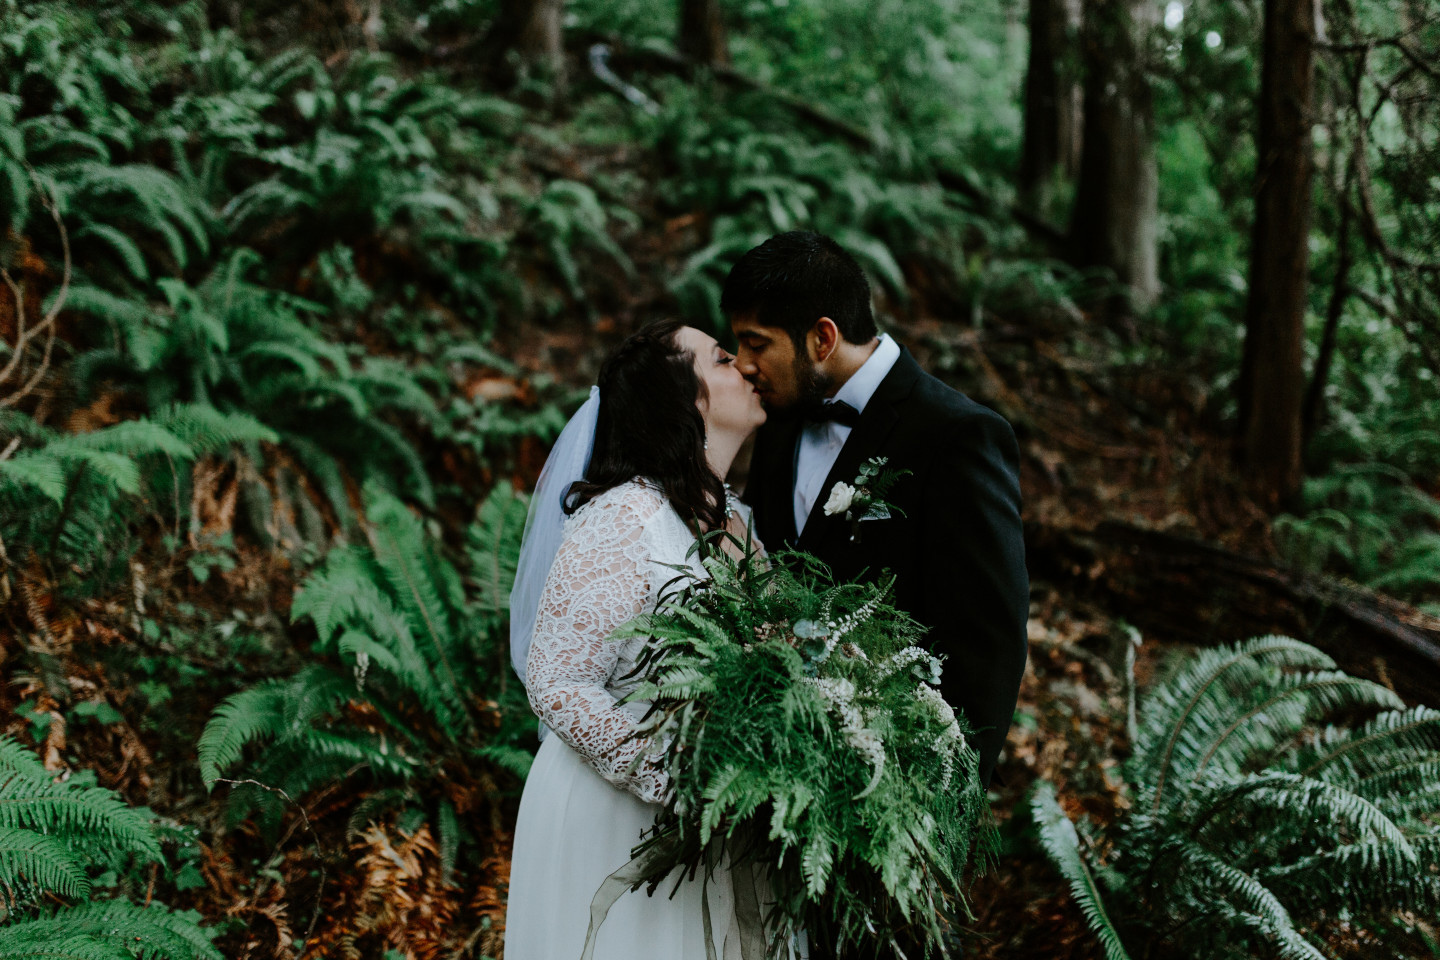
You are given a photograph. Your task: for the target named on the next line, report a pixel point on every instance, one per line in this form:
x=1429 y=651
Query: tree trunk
x=1114 y=223
x=525 y=39
x=1272 y=373
x=1052 y=134
x=701 y=37
x=1314 y=409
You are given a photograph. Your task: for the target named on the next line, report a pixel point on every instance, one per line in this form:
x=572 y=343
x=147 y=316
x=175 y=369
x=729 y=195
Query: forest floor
x=1103 y=439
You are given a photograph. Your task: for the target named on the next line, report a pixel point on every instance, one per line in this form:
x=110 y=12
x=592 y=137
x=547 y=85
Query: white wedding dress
x=582 y=812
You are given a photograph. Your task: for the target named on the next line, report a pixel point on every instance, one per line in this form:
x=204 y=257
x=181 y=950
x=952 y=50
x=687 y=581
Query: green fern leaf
x=37 y=941
x=249 y=715
x=135 y=438
x=38 y=470
x=125 y=314
x=1062 y=845
x=493 y=543
x=358 y=645
x=38 y=804
x=19 y=759
x=1192 y=695
x=816 y=863
x=125 y=248
x=448 y=827
x=1316 y=801
x=426 y=591
x=510 y=758
x=1282 y=710
x=144 y=933
x=1417 y=729
x=341 y=591
x=206 y=429
x=32 y=861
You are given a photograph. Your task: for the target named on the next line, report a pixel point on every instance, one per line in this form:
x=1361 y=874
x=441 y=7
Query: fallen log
x=1178 y=588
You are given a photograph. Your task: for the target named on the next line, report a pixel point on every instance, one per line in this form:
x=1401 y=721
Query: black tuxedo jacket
x=957 y=553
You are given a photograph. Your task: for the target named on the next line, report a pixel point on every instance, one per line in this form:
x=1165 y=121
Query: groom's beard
x=811 y=386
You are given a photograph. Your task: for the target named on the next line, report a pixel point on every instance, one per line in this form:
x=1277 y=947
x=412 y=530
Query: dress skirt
x=573 y=831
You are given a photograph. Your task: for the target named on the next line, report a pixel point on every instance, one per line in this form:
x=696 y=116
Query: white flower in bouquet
x=841 y=695
x=841 y=496
x=930 y=696
x=924 y=665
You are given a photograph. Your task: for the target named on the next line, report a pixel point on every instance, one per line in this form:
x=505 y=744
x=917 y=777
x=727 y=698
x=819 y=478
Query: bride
x=670 y=413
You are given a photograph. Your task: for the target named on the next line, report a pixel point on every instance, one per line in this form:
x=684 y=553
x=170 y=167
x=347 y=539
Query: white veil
x=544 y=524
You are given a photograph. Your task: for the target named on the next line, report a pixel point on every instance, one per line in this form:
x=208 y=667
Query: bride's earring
x=705 y=442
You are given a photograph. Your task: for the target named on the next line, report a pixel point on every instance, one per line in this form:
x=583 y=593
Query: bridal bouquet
x=806 y=740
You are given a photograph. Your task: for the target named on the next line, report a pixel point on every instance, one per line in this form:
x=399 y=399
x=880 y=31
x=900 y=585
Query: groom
x=799 y=306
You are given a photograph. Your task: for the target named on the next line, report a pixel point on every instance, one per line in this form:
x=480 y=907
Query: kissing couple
x=642 y=466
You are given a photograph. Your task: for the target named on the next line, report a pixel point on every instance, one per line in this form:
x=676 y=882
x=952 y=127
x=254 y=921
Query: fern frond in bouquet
x=808 y=745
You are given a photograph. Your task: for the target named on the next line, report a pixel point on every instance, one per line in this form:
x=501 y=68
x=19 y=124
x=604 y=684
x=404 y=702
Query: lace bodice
x=609 y=569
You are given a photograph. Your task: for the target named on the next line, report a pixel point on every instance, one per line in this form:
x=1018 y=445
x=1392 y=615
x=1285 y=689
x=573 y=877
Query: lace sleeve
x=599 y=580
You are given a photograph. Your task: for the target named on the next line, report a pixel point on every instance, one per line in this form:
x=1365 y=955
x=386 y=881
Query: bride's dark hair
x=648 y=426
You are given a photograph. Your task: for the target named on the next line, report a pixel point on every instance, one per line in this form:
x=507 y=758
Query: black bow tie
x=836 y=410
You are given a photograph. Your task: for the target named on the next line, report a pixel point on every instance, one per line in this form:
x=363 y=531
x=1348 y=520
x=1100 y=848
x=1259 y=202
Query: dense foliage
x=404 y=658
x=59 y=841
x=1270 y=794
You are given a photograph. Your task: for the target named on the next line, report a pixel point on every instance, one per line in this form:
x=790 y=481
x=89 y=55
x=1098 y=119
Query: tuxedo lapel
x=876 y=422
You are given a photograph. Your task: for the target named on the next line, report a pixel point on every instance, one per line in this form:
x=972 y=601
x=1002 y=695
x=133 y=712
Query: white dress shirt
x=820 y=443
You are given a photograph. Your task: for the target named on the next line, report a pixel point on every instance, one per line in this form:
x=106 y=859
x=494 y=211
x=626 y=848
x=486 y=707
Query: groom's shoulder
x=936 y=400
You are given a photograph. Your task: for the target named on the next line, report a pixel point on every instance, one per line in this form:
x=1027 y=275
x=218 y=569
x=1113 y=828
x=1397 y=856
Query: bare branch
x=18 y=293
x=1390 y=312
x=319 y=850
x=47 y=324
x=1420 y=64
x=1369 y=43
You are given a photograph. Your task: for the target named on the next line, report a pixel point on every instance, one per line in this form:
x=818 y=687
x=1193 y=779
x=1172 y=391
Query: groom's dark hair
x=794 y=279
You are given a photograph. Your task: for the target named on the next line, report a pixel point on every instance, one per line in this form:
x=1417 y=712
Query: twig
x=22 y=336
x=319 y=850
x=1398 y=42
x=1369 y=221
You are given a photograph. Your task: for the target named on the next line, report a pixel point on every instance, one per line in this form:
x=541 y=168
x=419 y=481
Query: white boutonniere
x=864 y=498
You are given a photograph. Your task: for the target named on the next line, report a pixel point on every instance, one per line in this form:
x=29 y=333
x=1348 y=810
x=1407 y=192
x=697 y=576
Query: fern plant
x=54 y=837
x=378 y=157
x=567 y=217
x=757 y=175
x=1371 y=521
x=247 y=350
x=71 y=498
x=1062 y=844
x=154 y=159
x=403 y=693
x=73 y=121
x=1269 y=794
